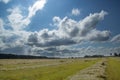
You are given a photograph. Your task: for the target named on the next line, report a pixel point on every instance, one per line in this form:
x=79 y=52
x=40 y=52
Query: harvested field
x=60 y=69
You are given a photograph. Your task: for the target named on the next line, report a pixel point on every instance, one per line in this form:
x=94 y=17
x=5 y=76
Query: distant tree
x=115 y=54
x=110 y=54
x=93 y=56
x=119 y=54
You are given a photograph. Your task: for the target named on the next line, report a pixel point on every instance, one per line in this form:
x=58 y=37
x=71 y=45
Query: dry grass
x=51 y=69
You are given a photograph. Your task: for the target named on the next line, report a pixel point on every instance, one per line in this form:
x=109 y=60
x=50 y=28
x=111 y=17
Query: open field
x=113 y=69
x=60 y=69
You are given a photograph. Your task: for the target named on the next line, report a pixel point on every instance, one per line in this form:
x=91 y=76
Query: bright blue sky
x=63 y=8
x=33 y=17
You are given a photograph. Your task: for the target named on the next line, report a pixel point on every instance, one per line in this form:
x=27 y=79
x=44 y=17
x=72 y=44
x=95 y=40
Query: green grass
x=113 y=69
x=53 y=72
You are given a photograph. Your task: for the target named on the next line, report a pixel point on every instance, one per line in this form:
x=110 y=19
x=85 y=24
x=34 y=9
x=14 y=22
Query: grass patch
x=53 y=72
x=113 y=69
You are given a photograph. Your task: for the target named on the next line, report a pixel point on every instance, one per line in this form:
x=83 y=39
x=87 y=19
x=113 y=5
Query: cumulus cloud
x=96 y=35
x=116 y=38
x=89 y=23
x=33 y=37
x=16 y=19
x=38 y=5
x=19 y=21
x=16 y=39
x=5 y=1
x=14 y=42
x=10 y=39
x=45 y=38
x=70 y=32
x=75 y=12
x=81 y=29
x=56 y=20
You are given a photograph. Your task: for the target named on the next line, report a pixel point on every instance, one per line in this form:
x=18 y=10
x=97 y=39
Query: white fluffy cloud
x=47 y=42
x=16 y=39
x=10 y=39
x=70 y=32
x=116 y=38
x=75 y=12
x=96 y=35
x=5 y=1
x=19 y=21
x=80 y=30
x=38 y=5
x=16 y=19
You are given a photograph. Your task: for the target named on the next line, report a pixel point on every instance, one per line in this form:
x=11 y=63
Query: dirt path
x=95 y=72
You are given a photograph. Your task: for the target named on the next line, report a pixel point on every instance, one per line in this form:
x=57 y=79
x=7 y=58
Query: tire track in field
x=94 y=72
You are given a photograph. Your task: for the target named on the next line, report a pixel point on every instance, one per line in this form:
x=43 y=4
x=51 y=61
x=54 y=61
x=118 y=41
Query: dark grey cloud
x=55 y=51
x=56 y=42
x=33 y=38
x=59 y=42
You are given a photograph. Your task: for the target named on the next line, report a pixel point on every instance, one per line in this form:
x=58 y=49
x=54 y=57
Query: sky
x=60 y=28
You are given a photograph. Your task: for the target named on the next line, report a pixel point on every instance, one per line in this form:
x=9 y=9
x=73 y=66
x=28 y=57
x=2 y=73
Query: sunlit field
x=60 y=69
x=113 y=69
x=53 y=69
